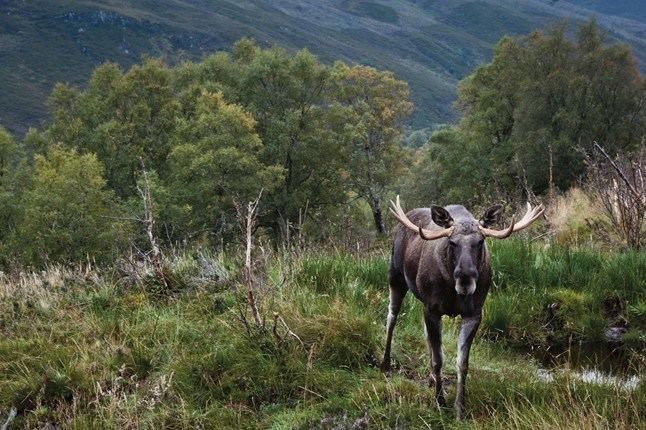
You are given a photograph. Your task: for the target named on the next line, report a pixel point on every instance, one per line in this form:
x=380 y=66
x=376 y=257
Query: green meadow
x=109 y=348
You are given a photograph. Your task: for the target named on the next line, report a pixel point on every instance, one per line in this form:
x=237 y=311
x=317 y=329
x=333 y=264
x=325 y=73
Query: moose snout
x=465 y=274
x=465 y=280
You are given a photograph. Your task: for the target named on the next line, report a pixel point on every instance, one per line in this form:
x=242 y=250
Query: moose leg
x=433 y=329
x=397 y=293
x=468 y=328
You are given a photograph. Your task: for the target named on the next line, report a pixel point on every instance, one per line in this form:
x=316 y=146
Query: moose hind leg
x=468 y=328
x=397 y=293
x=433 y=329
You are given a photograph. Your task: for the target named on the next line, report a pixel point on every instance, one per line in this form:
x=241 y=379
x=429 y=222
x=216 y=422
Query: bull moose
x=440 y=255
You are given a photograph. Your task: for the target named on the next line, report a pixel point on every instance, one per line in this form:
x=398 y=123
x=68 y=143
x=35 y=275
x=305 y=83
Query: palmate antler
x=530 y=216
x=398 y=212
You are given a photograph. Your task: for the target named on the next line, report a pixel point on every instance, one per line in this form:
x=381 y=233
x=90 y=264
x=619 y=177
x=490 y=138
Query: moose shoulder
x=440 y=255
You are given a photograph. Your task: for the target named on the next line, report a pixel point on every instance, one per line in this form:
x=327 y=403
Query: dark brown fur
x=429 y=269
x=428 y=265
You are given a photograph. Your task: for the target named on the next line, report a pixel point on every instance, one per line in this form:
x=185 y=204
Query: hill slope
x=429 y=43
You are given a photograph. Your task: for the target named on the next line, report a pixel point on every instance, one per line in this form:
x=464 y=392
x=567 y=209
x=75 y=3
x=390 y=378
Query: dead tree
x=154 y=256
x=619 y=183
x=247 y=215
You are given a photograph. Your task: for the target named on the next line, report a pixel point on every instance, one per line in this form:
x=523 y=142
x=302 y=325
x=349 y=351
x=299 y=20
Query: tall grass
x=576 y=292
x=81 y=349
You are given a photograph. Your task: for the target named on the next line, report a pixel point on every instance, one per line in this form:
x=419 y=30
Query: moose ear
x=491 y=216
x=441 y=216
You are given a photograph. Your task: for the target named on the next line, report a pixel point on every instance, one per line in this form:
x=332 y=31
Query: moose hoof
x=441 y=401
x=385 y=367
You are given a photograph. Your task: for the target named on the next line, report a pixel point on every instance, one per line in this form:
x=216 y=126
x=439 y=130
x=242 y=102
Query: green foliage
x=418 y=138
x=531 y=111
x=14 y=176
x=449 y=172
x=214 y=160
x=69 y=215
x=288 y=97
x=325 y=143
x=232 y=124
x=120 y=117
x=372 y=106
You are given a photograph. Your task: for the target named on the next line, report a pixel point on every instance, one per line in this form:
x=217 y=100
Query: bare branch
x=619 y=171
x=619 y=185
x=247 y=223
x=278 y=318
x=154 y=255
x=10 y=418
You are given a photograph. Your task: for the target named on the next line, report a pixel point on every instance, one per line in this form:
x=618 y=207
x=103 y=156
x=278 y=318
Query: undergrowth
x=81 y=348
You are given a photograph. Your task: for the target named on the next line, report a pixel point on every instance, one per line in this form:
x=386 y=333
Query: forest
x=177 y=239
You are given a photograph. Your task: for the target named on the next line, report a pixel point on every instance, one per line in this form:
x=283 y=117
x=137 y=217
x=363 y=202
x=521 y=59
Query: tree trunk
x=155 y=257
x=552 y=188
x=375 y=204
x=251 y=299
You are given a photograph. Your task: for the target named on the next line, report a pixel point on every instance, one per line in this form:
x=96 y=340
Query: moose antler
x=398 y=212
x=530 y=216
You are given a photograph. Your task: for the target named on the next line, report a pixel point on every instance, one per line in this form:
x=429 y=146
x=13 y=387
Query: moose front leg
x=397 y=293
x=433 y=329
x=468 y=328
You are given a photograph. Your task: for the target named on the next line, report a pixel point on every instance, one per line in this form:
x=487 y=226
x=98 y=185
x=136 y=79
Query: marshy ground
x=88 y=348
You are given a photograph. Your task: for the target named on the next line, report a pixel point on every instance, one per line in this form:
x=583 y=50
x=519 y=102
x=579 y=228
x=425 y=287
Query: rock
x=544 y=375
x=361 y=423
x=615 y=334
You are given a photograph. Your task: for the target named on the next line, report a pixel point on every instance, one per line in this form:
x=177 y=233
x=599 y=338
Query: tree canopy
x=321 y=141
x=530 y=115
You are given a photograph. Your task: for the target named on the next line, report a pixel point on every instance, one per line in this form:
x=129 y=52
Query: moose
x=440 y=255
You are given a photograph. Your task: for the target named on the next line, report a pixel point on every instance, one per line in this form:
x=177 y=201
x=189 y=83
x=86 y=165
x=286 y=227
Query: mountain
x=429 y=43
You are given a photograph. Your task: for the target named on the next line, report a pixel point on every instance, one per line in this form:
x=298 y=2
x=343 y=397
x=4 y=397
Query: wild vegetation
x=322 y=143
x=83 y=347
x=204 y=245
x=532 y=115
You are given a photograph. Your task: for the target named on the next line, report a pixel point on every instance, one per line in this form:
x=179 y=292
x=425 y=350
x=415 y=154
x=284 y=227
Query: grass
x=577 y=293
x=81 y=348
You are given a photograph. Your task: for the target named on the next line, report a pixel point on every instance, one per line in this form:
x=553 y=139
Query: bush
x=69 y=215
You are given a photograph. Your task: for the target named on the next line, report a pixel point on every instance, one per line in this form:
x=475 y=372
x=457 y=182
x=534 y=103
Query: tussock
x=83 y=348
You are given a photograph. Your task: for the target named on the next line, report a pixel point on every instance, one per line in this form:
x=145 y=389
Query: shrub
x=69 y=215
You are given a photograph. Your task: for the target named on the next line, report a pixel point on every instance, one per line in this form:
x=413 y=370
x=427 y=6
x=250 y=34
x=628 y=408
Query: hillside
x=431 y=44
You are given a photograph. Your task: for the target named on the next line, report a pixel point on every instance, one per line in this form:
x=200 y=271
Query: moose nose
x=465 y=273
